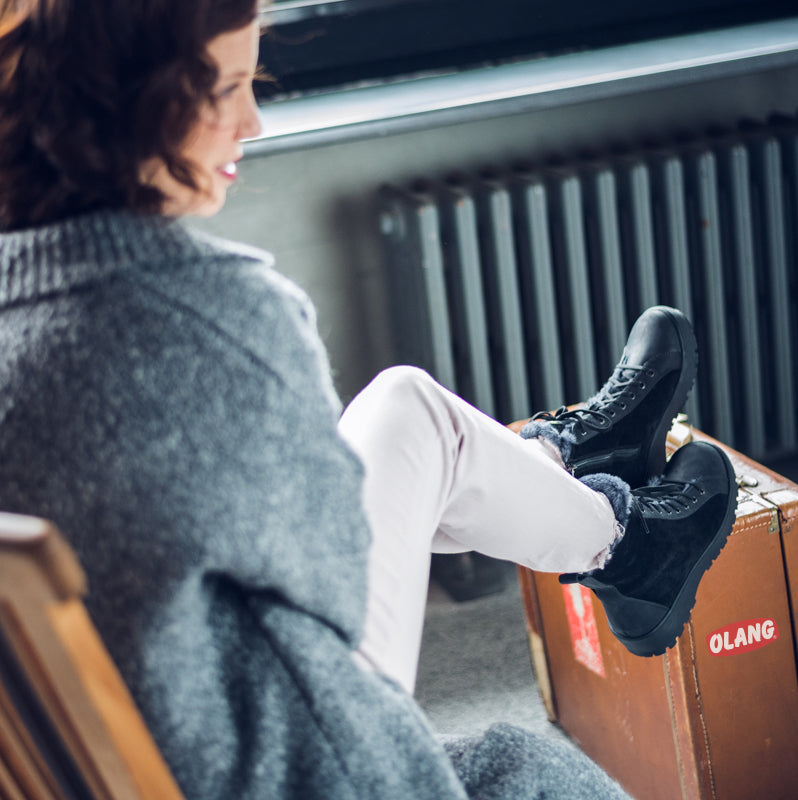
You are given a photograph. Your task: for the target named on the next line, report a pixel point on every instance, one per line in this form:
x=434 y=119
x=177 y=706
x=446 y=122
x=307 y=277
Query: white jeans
x=440 y=476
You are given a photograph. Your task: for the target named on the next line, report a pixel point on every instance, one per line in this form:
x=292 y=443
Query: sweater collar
x=59 y=257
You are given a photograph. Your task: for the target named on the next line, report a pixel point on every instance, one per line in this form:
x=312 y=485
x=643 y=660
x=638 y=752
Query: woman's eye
x=226 y=92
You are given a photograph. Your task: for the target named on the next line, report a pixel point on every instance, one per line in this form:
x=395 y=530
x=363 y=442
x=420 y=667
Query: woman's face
x=213 y=147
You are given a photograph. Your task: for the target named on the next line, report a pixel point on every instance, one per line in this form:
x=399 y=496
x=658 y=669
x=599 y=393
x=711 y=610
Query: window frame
x=323 y=45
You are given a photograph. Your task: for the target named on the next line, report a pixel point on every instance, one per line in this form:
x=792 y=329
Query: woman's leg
x=441 y=476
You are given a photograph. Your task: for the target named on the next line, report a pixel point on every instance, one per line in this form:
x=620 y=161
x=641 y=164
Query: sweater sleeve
x=231 y=417
x=299 y=719
x=182 y=423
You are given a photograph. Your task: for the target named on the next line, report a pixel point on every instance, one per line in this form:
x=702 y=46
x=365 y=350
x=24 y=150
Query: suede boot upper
x=675 y=531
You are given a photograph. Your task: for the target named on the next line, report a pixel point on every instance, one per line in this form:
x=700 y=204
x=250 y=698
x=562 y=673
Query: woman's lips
x=229 y=170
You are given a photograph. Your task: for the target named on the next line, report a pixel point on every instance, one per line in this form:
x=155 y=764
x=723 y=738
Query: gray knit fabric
x=167 y=402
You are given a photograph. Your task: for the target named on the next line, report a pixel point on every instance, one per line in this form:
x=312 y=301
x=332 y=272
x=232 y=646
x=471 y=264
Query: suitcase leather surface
x=717 y=715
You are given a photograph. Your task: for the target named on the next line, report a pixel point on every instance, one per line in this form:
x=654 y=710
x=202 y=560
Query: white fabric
x=443 y=477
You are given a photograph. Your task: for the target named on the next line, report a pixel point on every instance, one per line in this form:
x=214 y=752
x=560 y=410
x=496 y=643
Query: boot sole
x=655 y=462
x=665 y=634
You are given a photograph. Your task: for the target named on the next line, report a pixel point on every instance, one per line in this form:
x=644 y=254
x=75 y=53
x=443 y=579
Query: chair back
x=69 y=729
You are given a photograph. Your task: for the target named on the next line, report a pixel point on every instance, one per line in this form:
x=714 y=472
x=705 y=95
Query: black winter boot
x=622 y=429
x=676 y=529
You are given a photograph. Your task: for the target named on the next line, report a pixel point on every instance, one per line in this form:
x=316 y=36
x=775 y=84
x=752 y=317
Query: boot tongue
x=616 y=384
x=627 y=367
x=665 y=496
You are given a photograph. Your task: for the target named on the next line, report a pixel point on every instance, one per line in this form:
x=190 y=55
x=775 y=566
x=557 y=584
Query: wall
x=314 y=208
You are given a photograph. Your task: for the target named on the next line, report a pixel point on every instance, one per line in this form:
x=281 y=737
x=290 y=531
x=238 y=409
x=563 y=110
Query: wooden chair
x=69 y=729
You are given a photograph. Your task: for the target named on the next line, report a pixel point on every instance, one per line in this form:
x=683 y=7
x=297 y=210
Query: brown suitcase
x=717 y=715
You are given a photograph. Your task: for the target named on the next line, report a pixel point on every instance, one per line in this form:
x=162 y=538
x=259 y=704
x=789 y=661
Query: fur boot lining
x=615 y=490
x=619 y=496
x=561 y=439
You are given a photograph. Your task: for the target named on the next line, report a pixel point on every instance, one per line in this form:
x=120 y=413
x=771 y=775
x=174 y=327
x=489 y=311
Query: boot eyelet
x=651 y=373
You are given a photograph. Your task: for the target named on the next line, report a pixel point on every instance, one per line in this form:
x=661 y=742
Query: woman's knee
x=402 y=381
x=394 y=398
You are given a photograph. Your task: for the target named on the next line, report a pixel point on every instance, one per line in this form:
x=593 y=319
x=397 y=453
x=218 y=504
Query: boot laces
x=667 y=497
x=599 y=412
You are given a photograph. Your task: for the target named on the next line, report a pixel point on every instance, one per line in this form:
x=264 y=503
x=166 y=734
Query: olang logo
x=742 y=637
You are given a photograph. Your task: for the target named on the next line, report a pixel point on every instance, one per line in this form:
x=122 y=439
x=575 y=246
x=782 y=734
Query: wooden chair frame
x=69 y=729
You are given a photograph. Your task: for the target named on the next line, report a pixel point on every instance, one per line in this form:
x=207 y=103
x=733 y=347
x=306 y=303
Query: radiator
x=516 y=288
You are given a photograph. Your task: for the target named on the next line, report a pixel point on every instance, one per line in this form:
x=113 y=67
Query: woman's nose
x=250 y=125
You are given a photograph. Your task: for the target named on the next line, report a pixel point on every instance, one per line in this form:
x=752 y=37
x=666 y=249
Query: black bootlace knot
x=599 y=411
x=667 y=497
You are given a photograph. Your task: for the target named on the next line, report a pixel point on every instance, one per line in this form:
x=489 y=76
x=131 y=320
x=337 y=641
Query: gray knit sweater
x=167 y=402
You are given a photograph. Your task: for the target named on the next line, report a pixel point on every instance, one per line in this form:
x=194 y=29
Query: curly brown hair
x=89 y=89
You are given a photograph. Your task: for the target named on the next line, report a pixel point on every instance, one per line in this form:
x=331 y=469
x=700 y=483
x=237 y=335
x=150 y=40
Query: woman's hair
x=90 y=89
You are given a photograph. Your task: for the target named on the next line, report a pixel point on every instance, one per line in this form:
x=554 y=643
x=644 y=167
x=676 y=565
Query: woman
x=256 y=562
